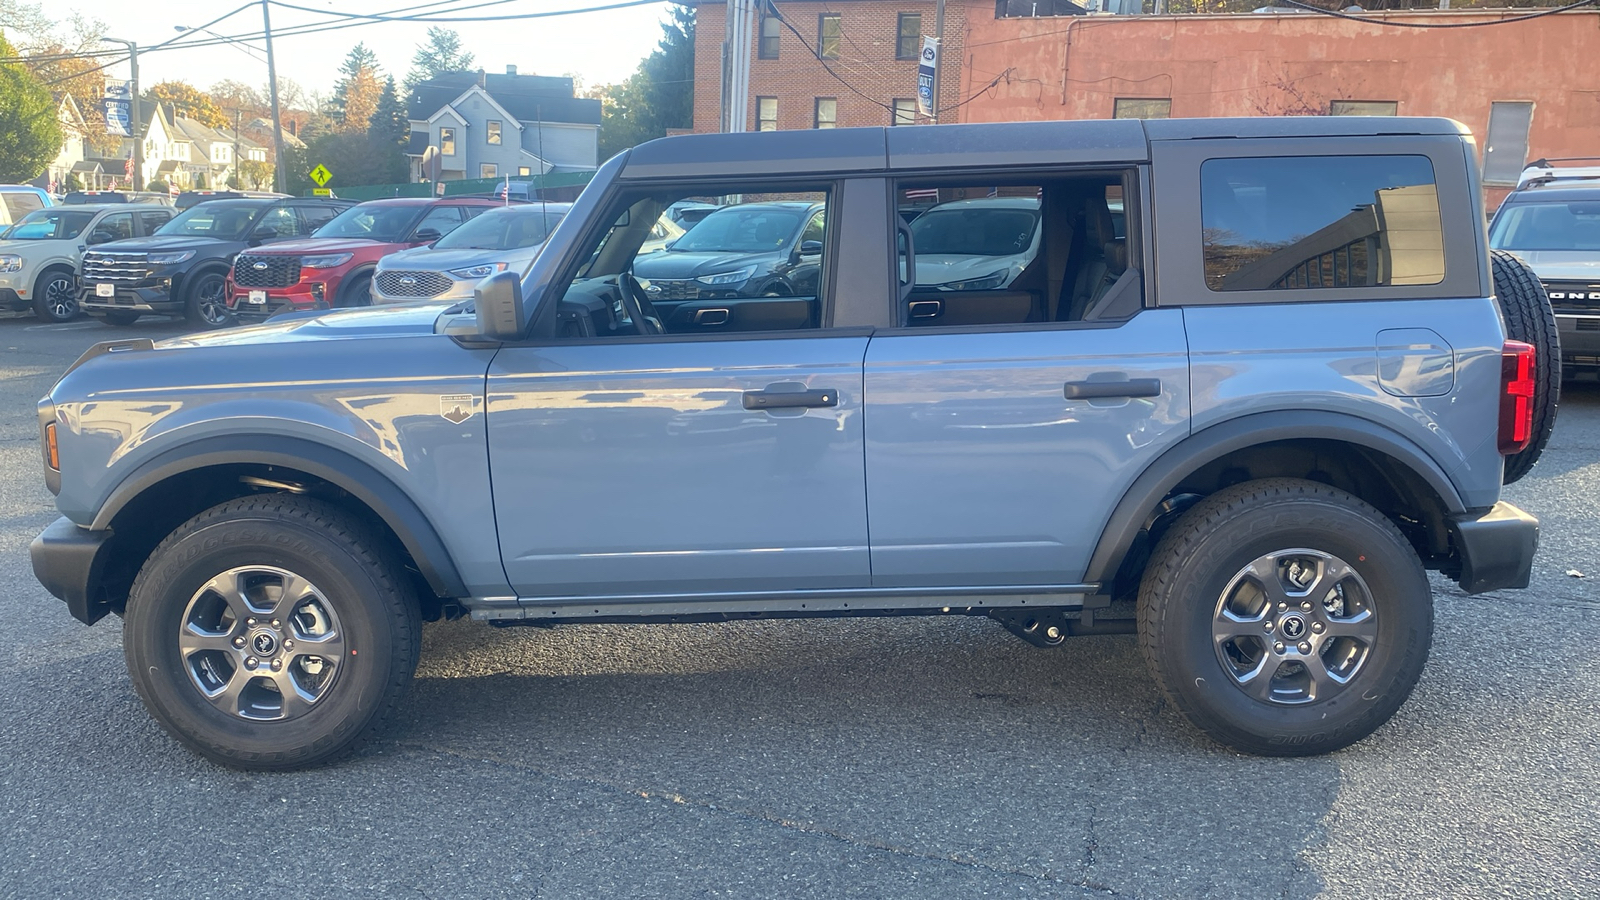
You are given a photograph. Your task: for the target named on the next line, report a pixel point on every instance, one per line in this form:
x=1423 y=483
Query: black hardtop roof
x=998 y=144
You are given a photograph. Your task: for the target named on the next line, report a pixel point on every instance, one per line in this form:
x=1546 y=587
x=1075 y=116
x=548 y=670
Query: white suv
x=39 y=257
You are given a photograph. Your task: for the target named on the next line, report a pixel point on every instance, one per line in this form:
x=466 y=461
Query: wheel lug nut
x=238 y=641
x=1305 y=647
x=1267 y=625
x=1318 y=627
x=1281 y=605
x=1278 y=647
x=278 y=624
x=1305 y=606
x=250 y=662
x=277 y=664
x=288 y=645
x=250 y=622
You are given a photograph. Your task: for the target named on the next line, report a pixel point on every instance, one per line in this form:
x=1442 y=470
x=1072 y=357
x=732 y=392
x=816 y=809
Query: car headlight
x=986 y=283
x=10 y=263
x=168 y=259
x=325 y=261
x=728 y=277
x=476 y=272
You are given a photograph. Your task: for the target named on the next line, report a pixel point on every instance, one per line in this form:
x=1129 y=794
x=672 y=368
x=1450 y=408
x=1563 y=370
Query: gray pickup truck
x=1232 y=384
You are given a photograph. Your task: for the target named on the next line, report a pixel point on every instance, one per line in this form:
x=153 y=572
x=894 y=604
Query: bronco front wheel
x=1285 y=617
x=271 y=632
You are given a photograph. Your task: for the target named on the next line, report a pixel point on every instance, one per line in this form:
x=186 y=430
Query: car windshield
x=742 y=229
x=974 y=230
x=502 y=229
x=1571 y=225
x=384 y=224
x=221 y=219
x=51 y=225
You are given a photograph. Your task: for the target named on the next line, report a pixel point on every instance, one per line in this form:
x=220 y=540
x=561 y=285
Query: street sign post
x=321 y=175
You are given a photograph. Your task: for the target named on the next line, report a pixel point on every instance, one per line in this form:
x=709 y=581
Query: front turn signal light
x=52 y=454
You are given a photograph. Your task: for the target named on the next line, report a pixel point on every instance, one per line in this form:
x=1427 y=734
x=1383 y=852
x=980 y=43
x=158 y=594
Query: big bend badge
x=457 y=407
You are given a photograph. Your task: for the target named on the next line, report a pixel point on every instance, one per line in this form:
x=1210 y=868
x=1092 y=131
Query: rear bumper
x=1496 y=547
x=70 y=562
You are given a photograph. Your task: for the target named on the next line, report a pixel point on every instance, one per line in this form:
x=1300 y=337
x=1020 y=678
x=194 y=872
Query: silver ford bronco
x=1231 y=384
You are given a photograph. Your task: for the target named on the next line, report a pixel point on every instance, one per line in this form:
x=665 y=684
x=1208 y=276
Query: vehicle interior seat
x=1091 y=278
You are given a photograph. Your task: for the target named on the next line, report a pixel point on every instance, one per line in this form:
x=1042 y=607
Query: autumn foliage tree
x=30 y=135
x=190 y=102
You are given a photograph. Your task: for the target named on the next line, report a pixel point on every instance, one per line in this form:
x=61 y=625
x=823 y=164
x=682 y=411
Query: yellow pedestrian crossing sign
x=321 y=175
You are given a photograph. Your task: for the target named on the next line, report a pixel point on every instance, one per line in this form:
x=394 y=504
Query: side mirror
x=810 y=248
x=264 y=233
x=502 y=316
x=101 y=237
x=427 y=235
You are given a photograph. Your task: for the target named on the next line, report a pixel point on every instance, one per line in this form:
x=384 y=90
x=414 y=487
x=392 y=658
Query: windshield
x=51 y=225
x=742 y=229
x=502 y=229
x=1548 y=226
x=974 y=231
x=384 y=224
x=221 y=219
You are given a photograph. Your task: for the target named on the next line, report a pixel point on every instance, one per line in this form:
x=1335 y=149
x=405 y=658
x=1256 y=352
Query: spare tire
x=1526 y=309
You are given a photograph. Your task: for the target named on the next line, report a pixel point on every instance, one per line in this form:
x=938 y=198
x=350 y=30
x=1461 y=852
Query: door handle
x=925 y=309
x=716 y=316
x=790 y=399
x=1128 y=387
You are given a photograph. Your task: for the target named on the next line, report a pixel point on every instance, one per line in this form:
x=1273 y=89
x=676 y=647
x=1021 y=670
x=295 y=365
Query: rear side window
x=1308 y=222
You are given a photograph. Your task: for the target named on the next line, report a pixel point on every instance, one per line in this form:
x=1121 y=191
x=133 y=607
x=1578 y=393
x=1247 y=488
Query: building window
x=447 y=142
x=768 y=48
x=488 y=170
x=1506 y=149
x=1142 y=108
x=905 y=112
x=492 y=132
x=908 y=40
x=828 y=32
x=524 y=171
x=1364 y=108
x=827 y=112
x=766 y=113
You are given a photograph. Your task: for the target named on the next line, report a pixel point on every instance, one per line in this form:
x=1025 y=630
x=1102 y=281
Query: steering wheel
x=641 y=312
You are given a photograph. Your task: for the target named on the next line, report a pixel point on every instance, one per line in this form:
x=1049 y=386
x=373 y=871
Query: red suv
x=333 y=267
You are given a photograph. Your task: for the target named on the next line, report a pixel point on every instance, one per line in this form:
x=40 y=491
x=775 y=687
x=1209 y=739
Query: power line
x=507 y=18
x=1370 y=20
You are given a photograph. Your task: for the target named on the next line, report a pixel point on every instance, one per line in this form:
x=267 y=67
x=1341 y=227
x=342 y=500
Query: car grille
x=674 y=289
x=1573 y=294
x=115 y=267
x=266 y=271
x=413 y=284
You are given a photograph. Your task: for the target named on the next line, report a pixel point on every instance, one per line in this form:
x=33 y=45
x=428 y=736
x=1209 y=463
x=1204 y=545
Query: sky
x=600 y=47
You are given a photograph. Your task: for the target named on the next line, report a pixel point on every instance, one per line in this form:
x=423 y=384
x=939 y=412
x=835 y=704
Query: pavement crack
x=810 y=829
x=1090 y=843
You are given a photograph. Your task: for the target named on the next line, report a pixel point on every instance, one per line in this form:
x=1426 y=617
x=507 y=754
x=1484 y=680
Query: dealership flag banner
x=119 y=102
x=925 y=70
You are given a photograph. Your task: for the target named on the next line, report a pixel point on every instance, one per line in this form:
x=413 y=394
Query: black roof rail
x=1545 y=162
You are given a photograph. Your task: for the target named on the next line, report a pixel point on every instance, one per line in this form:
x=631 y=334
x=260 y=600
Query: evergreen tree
x=440 y=53
x=355 y=96
x=658 y=96
x=30 y=134
x=390 y=124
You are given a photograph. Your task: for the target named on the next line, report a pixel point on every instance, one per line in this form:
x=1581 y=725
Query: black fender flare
x=366 y=270
x=355 y=477
x=1216 y=441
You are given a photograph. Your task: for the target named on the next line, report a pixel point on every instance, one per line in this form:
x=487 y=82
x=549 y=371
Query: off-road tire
x=363 y=583
x=1202 y=554
x=55 y=296
x=1526 y=309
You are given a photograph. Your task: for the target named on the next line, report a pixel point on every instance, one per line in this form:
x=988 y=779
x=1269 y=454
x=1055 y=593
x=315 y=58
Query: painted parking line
x=64 y=326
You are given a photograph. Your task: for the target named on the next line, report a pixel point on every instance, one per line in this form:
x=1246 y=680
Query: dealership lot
x=873 y=758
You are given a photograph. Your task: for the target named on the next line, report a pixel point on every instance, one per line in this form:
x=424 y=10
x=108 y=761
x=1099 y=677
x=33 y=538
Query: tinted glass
x=443 y=219
x=385 y=224
x=317 y=216
x=743 y=229
x=118 y=225
x=51 y=225
x=227 y=220
x=977 y=228
x=1545 y=226
x=502 y=229
x=1294 y=223
x=20 y=203
x=152 y=220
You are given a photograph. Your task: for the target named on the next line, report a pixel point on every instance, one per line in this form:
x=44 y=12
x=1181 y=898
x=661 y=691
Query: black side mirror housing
x=810 y=248
x=100 y=237
x=502 y=316
x=427 y=235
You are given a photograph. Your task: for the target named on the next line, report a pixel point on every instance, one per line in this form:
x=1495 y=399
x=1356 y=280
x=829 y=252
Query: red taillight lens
x=1517 y=388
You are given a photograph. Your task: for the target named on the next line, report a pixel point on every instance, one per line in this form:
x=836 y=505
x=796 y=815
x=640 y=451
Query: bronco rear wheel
x=271 y=632
x=1285 y=617
x=1526 y=309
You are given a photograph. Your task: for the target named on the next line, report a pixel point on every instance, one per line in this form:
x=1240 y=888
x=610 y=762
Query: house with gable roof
x=476 y=125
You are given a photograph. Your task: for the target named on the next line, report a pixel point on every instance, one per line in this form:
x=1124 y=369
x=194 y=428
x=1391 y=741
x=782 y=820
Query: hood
x=1563 y=265
x=341 y=324
x=943 y=268
x=429 y=259
x=159 y=244
x=693 y=264
x=309 y=246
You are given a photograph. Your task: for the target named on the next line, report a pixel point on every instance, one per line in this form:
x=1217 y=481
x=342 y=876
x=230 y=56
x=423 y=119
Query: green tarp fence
x=569 y=180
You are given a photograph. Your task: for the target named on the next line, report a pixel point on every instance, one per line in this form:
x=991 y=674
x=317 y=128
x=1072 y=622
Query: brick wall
x=866 y=63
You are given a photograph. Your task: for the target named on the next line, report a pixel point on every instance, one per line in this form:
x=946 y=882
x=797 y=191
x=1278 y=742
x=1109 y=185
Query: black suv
x=1552 y=221
x=184 y=266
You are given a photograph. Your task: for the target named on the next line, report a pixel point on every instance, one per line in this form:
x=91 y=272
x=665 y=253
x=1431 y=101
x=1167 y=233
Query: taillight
x=1517 y=388
x=52 y=456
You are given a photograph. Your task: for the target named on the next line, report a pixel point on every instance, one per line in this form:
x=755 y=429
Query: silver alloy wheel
x=210 y=302
x=60 y=298
x=261 y=643
x=1294 y=626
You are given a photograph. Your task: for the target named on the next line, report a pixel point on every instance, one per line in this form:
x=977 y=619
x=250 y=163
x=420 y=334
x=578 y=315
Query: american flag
x=127 y=166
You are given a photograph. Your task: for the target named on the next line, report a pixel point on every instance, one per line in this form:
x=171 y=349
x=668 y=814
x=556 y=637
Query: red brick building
x=870 y=65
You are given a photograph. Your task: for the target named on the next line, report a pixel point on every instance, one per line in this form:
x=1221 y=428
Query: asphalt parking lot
x=909 y=758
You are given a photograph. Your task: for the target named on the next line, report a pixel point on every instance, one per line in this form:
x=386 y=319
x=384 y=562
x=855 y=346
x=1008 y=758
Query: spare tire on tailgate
x=1526 y=309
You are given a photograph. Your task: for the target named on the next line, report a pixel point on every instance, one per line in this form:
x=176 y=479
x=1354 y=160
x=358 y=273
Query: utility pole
x=272 y=86
x=736 y=66
x=135 y=127
x=938 y=36
x=238 y=173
